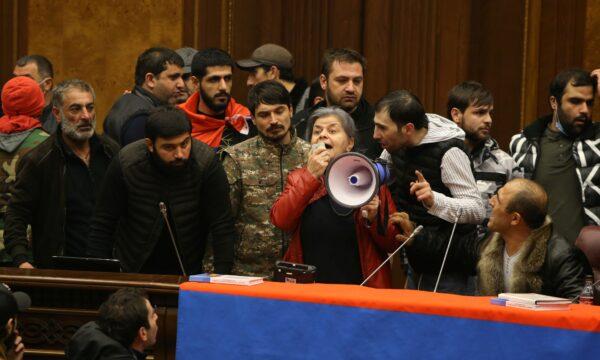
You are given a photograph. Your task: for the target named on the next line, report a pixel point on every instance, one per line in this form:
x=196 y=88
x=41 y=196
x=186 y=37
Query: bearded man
x=217 y=119
x=470 y=106
x=161 y=197
x=560 y=152
x=58 y=182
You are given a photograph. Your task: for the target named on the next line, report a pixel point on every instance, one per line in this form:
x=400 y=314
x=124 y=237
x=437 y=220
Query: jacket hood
x=23 y=103
x=441 y=129
x=22 y=96
x=11 y=142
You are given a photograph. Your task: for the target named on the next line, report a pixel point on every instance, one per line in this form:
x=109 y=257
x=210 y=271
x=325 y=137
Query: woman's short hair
x=345 y=120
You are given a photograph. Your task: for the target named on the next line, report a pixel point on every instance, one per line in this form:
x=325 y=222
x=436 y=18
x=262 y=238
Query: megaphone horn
x=352 y=179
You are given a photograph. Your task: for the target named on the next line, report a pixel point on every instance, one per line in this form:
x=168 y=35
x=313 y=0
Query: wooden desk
x=64 y=300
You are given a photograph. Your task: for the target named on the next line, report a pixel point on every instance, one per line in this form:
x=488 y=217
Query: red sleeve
x=288 y=208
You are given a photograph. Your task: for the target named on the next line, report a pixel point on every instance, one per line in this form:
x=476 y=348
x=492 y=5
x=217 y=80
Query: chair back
x=588 y=242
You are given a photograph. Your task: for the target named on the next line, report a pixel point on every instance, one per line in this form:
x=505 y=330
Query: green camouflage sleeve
x=234 y=177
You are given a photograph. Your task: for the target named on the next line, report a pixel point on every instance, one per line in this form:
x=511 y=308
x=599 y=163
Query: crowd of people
x=184 y=177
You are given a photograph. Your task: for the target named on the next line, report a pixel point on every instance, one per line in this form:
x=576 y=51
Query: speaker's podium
x=63 y=300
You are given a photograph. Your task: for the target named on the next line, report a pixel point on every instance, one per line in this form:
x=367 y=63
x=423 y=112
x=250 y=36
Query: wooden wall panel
x=496 y=58
x=561 y=44
x=591 y=58
x=513 y=47
x=453 y=35
x=13 y=35
x=99 y=41
x=413 y=48
x=419 y=45
x=377 y=37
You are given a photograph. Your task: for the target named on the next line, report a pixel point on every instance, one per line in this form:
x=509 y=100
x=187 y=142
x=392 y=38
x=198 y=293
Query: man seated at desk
x=526 y=253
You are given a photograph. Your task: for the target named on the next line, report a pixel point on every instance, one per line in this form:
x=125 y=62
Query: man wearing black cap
x=191 y=84
x=274 y=62
x=11 y=346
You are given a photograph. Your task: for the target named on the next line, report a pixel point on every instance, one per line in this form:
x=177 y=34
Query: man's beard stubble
x=217 y=108
x=275 y=138
x=171 y=168
x=569 y=127
x=70 y=129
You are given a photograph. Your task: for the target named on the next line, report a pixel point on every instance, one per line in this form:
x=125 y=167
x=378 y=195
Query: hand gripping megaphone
x=352 y=179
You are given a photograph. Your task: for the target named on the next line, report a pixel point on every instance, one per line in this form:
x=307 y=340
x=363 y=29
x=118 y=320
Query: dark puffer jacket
x=91 y=343
x=426 y=252
x=197 y=198
x=39 y=199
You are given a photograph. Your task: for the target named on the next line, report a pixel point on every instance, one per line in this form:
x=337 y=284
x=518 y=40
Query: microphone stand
x=447 y=250
x=415 y=232
x=163 y=211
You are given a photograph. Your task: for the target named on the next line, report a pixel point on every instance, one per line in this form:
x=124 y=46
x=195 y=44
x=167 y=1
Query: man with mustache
x=342 y=79
x=58 y=182
x=167 y=174
x=470 y=106
x=434 y=185
x=217 y=119
x=158 y=81
x=559 y=152
x=257 y=169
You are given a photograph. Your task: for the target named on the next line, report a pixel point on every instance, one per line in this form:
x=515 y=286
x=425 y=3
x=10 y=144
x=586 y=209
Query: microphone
x=163 y=211
x=447 y=250
x=414 y=233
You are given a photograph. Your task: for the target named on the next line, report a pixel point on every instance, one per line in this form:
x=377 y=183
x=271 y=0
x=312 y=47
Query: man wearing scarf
x=217 y=119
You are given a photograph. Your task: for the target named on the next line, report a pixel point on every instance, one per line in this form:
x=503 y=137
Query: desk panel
x=340 y=322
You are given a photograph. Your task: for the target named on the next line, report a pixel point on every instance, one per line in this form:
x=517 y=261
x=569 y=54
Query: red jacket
x=301 y=190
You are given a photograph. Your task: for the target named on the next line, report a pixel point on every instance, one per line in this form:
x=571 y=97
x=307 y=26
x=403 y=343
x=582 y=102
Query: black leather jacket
x=39 y=200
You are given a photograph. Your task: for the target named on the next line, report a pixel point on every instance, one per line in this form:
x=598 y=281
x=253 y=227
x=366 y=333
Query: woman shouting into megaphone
x=345 y=243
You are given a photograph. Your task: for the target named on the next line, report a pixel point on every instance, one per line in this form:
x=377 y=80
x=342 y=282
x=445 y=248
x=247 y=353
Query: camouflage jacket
x=12 y=147
x=257 y=171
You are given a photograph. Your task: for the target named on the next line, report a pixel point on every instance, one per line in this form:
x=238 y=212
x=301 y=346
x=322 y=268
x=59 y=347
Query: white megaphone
x=352 y=179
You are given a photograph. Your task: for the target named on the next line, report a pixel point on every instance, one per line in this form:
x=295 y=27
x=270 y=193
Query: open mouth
x=328 y=147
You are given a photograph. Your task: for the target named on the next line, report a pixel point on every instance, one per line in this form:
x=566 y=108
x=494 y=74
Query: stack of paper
x=227 y=279
x=535 y=301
